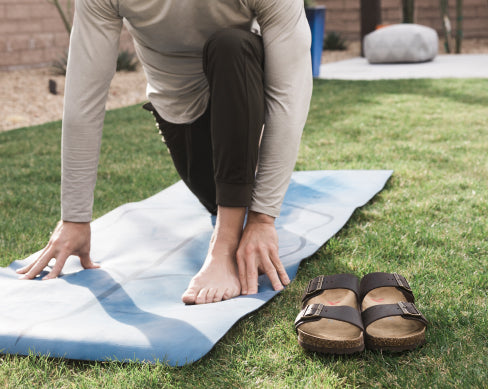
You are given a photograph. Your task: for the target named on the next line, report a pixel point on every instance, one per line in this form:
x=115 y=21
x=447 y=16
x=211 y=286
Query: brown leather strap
x=316 y=312
x=378 y=280
x=406 y=310
x=337 y=281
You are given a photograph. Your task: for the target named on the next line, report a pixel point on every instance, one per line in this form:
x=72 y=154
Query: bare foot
x=218 y=279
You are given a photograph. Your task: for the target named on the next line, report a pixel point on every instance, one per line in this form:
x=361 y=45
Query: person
x=229 y=84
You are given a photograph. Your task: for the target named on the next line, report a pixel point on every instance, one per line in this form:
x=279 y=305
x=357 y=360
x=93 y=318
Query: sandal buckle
x=405 y=309
x=313 y=310
x=402 y=282
x=320 y=283
x=314 y=285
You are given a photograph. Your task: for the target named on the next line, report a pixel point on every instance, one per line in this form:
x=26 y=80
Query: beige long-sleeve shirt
x=169 y=36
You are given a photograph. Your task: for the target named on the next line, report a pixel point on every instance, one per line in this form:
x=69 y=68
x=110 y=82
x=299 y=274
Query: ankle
x=224 y=244
x=229 y=225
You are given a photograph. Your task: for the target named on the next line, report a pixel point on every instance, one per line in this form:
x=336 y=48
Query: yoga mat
x=130 y=309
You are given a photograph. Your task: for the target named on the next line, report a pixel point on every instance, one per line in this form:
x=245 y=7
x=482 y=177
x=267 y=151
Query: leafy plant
x=459 y=25
x=408 y=7
x=308 y=3
x=60 y=64
x=127 y=61
x=334 y=41
x=446 y=25
x=65 y=15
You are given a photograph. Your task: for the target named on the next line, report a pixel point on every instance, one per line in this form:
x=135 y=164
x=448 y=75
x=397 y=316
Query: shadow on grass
x=471 y=91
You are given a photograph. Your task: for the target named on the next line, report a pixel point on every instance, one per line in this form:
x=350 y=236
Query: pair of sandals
x=341 y=314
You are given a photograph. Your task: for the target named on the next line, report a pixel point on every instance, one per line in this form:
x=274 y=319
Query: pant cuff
x=234 y=195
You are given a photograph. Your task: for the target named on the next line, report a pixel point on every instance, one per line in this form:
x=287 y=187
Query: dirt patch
x=25 y=99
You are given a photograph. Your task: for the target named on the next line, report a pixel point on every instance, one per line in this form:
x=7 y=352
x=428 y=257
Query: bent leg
x=190 y=147
x=233 y=62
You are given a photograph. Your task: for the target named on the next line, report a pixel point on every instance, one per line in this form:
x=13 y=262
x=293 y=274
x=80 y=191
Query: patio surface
x=443 y=66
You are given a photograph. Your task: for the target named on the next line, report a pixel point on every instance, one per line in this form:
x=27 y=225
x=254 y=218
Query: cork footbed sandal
x=330 y=320
x=391 y=320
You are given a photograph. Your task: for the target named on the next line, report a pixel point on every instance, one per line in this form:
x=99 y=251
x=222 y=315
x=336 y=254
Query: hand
x=67 y=239
x=258 y=252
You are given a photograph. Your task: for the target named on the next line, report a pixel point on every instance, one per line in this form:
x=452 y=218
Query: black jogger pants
x=216 y=155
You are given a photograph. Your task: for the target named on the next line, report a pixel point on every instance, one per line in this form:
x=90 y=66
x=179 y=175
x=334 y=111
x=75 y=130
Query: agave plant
x=334 y=41
x=125 y=61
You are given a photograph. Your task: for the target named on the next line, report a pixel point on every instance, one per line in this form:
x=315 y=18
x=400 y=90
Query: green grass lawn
x=429 y=224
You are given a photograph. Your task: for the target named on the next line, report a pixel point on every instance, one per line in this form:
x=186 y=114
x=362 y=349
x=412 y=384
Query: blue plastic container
x=316 y=20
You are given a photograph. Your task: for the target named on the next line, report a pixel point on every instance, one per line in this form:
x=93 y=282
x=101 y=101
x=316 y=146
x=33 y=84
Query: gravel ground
x=25 y=99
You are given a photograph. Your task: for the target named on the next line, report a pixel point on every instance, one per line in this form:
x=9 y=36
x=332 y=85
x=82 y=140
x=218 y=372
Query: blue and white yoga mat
x=131 y=308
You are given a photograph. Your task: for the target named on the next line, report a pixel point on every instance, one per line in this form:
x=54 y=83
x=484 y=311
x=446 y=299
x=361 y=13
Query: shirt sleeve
x=91 y=65
x=288 y=89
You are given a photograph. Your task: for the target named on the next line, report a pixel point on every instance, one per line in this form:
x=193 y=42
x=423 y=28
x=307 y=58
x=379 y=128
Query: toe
x=189 y=297
x=211 y=295
x=219 y=295
x=230 y=293
x=227 y=294
x=202 y=296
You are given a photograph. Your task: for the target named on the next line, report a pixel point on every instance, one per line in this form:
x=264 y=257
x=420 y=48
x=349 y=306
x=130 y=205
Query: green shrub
x=60 y=64
x=125 y=61
x=334 y=41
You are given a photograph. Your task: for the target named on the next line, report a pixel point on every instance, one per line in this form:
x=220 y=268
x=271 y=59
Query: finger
x=38 y=266
x=241 y=268
x=25 y=269
x=279 y=268
x=58 y=266
x=272 y=274
x=251 y=275
x=87 y=263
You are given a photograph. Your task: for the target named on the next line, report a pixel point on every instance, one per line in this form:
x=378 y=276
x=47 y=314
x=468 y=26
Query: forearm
x=80 y=153
x=91 y=65
x=288 y=85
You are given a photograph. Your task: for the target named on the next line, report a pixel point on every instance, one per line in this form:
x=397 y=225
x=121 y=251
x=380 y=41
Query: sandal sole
x=330 y=349
x=330 y=346
x=395 y=344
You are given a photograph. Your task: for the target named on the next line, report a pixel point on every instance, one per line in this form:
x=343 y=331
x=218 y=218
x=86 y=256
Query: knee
x=234 y=43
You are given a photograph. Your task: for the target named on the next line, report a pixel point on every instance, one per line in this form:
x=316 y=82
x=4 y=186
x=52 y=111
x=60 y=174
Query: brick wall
x=343 y=16
x=32 y=33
